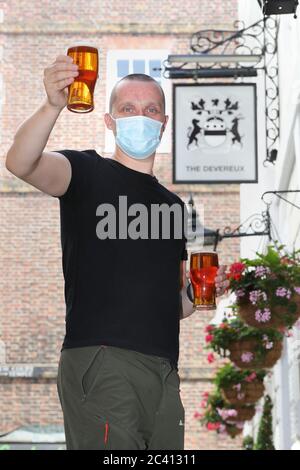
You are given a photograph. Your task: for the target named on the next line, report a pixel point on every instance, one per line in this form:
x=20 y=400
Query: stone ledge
x=202 y=188
x=197 y=374
x=38 y=373
x=12 y=372
x=46 y=28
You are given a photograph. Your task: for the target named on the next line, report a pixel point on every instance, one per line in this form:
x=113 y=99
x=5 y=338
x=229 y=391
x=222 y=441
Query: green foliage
x=267 y=273
x=235 y=330
x=230 y=375
x=248 y=443
x=213 y=417
x=265 y=431
x=214 y=400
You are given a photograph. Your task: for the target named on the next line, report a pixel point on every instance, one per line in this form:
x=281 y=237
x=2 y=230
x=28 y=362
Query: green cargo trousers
x=115 y=399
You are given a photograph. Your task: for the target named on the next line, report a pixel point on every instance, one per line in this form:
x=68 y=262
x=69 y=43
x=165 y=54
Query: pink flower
x=203 y=404
x=225 y=414
x=197 y=415
x=247 y=356
x=240 y=425
x=210 y=357
x=250 y=377
x=268 y=344
x=236 y=270
x=213 y=426
x=297 y=324
x=263 y=316
x=237 y=387
x=261 y=271
x=205 y=394
x=222 y=429
x=232 y=412
x=240 y=396
x=297 y=290
x=240 y=293
x=209 y=338
x=283 y=292
x=256 y=295
x=208 y=328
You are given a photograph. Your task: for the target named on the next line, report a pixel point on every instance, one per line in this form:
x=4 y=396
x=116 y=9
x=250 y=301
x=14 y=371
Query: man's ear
x=165 y=123
x=109 y=122
x=163 y=127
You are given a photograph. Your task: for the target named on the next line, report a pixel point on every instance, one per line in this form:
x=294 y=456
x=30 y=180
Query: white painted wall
x=250 y=194
x=284 y=385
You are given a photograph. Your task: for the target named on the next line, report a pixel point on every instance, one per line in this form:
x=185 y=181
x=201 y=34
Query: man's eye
x=153 y=110
x=127 y=109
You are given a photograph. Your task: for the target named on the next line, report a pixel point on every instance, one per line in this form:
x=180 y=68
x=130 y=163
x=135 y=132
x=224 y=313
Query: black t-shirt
x=122 y=292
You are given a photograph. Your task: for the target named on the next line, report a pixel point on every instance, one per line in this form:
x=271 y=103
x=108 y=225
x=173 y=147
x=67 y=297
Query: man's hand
x=221 y=280
x=187 y=307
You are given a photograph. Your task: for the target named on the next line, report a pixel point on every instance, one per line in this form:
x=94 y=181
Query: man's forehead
x=131 y=91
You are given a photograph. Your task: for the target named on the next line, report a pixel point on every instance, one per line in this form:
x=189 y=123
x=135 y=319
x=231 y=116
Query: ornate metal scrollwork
x=256 y=224
x=259 y=41
x=240 y=40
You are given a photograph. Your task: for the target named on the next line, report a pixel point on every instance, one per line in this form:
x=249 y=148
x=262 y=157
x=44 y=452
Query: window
x=121 y=62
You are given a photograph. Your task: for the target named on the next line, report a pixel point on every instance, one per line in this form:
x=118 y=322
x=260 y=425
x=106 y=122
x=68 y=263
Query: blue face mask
x=138 y=136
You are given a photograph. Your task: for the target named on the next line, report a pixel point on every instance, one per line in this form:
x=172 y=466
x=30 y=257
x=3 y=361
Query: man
x=118 y=379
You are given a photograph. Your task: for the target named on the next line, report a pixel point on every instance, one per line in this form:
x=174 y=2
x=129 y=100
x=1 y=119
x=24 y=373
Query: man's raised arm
x=49 y=172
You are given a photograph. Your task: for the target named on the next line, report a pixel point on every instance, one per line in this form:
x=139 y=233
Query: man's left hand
x=221 y=280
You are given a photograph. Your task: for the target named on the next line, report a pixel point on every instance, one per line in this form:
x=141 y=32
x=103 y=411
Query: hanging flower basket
x=249 y=352
x=233 y=430
x=278 y=313
x=244 y=413
x=245 y=393
x=240 y=387
x=246 y=346
x=267 y=288
x=220 y=416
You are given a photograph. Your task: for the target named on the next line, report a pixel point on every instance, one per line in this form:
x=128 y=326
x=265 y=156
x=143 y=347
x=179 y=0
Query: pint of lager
x=203 y=270
x=81 y=91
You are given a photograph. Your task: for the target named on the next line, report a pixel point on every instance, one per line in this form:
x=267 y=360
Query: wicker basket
x=238 y=348
x=245 y=413
x=248 y=394
x=233 y=430
x=247 y=313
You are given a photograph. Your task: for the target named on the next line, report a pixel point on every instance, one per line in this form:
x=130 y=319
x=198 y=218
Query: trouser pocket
x=95 y=362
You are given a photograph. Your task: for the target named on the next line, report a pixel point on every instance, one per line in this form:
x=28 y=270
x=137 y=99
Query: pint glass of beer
x=203 y=270
x=81 y=91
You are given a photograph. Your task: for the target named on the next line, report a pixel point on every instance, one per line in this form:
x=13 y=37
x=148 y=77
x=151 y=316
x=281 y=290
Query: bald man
x=125 y=282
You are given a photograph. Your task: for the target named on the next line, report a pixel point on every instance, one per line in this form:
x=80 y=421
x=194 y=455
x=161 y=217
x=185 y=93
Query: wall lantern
x=279 y=7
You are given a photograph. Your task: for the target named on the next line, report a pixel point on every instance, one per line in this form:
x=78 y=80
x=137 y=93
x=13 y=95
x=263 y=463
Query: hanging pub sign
x=214 y=133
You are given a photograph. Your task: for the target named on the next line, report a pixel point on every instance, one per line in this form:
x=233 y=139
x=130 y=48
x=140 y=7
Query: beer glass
x=203 y=270
x=81 y=90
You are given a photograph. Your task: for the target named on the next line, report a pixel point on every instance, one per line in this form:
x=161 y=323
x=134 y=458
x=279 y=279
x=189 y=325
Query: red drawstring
x=106 y=433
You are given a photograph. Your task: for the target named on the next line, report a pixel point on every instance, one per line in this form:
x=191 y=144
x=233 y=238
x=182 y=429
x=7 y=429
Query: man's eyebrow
x=125 y=103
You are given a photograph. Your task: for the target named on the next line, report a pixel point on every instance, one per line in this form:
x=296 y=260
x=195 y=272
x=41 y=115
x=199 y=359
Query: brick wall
x=31 y=285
